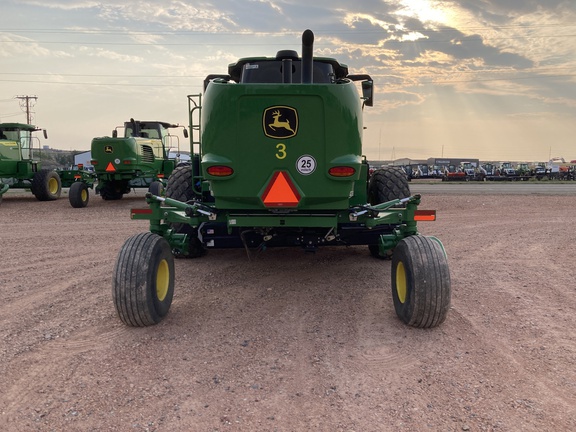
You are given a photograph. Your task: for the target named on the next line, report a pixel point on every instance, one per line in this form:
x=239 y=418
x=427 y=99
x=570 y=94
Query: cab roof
x=235 y=69
x=21 y=126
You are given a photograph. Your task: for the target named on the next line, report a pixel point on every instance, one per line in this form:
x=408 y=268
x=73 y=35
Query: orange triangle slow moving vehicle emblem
x=280 y=192
x=110 y=167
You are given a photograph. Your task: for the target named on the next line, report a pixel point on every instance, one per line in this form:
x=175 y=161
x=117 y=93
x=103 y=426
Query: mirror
x=368 y=92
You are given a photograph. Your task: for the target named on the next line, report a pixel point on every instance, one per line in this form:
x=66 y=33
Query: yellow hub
x=53 y=186
x=162 y=280
x=84 y=195
x=401 y=283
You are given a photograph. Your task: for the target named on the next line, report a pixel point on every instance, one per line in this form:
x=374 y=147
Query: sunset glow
x=491 y=79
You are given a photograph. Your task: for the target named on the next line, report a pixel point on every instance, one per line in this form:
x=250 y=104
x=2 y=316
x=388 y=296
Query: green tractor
x=140 y=159
x=78 y=179
x=20 y=166
x=277 y=161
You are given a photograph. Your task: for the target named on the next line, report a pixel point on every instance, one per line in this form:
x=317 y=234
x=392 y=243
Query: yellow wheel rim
x=53 y=186
x=162 y=280
x=84 y=195
x=401 y=284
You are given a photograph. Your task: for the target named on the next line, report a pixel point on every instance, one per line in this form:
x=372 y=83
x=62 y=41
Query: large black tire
x=78 y=195
x=46 y=185
x=421 y=281
x=156 y=188
x=143 y=280
x=179 y=185
x=111 y=191
x=386 y=184
x=180 y=188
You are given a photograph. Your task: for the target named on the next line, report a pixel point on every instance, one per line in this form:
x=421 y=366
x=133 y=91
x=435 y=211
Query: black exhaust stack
x=307 y=48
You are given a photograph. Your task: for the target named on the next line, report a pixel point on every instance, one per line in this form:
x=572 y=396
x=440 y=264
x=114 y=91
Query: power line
x=97 y=84
x=554 y=71
x=11 y=115
x=462 y=38
x=100 y=75
x=431 y=81
x=271 y=33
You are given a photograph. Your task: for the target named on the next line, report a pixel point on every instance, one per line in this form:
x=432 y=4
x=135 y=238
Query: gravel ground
x=290 y=341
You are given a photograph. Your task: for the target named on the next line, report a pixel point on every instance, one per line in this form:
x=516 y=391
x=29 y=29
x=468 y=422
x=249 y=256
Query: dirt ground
x=290 y=341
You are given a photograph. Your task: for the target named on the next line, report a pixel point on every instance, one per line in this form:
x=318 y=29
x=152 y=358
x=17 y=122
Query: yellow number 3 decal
x=281 y=151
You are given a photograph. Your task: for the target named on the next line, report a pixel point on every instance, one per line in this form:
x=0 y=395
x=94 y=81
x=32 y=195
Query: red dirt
x=290 y=341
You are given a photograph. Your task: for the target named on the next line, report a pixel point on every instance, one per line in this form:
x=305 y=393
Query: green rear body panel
x=126 y=158
x=321 y=121
x=277 y=160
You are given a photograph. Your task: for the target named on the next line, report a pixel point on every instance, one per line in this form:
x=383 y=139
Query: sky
x=486 y=79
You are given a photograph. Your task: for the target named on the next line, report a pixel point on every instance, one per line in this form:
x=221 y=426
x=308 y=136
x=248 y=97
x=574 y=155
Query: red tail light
x=341 y=171
x=220 y=171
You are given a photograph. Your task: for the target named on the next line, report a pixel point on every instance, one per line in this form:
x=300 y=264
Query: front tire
x=421 y=288
x=156 y=188
x=78 y=195
x=46 y=185
x=143 y=280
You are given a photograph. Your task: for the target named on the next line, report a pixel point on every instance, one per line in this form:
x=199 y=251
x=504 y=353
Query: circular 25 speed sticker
x=306 y=164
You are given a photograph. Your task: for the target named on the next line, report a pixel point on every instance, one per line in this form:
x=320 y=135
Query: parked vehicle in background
x=138 y=159
x=20 y=166
x=454 y=173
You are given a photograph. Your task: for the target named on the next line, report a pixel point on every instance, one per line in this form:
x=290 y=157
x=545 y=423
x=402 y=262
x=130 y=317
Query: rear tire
x=111 y=191
x=386 y=184
x=180 y=188
x=46 y=185
x=421 y=288
x=143 y=280
x=78 y=195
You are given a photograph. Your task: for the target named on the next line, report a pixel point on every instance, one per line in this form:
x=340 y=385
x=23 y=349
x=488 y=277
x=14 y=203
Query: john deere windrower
x=277 y=161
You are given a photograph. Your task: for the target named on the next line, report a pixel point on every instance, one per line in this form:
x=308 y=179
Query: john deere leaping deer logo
x=280 y=122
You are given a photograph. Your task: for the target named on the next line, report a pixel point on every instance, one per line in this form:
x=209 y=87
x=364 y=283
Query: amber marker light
x=425 y=215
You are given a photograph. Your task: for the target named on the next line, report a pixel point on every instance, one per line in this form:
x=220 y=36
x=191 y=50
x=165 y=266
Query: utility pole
x=27 y=102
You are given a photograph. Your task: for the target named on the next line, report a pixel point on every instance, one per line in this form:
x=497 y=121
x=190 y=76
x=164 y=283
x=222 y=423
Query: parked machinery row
x=146 y=152
x=505 y=171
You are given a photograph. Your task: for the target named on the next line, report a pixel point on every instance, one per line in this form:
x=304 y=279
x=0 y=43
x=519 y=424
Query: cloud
x=500 y=11
x=14 y=46
x=485 y=57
